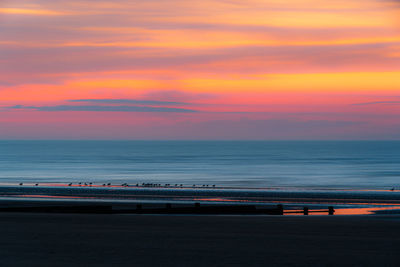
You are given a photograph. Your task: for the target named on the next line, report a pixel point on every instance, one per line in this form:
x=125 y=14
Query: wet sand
x=31 y=239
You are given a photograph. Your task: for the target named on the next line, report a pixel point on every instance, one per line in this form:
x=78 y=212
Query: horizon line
x=246 y=140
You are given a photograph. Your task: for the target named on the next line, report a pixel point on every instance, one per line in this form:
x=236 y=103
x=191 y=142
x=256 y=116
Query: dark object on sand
x=305 y=210
x=331 y=210
x=115 y=208
x=280 y=209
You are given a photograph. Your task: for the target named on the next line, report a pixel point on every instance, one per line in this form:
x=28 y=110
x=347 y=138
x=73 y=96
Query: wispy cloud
x=377 y=103
x=121 y=108
x=128 y=101
x=26 y=11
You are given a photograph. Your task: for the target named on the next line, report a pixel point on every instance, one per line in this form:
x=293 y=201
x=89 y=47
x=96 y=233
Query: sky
x=211 y=69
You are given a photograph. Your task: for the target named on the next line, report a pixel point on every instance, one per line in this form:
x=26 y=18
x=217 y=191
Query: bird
x=69 y=184
x=21 y=183
x=36 y=184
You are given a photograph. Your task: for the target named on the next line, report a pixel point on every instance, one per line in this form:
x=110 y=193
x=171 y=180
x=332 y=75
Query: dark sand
x=29 y=239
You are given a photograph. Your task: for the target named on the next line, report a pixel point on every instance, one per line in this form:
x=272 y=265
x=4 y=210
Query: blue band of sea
x=249 y=164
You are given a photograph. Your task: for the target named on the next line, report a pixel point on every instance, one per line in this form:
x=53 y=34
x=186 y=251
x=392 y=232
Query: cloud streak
x=99 y=108
x=377 y=103
x=127 y=101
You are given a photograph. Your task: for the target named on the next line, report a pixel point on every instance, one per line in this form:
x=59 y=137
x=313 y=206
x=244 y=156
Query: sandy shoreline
x=343 y=201
x=114 y=237
x=31 y=239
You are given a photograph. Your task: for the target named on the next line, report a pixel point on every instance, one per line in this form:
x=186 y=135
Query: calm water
x=324 y=164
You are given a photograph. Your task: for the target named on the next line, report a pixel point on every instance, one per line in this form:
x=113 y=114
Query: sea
x=243 y=164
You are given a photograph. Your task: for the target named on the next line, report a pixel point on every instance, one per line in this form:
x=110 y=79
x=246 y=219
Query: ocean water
x=258 y=164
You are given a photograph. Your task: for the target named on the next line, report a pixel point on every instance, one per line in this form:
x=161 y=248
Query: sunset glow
x=213 y=69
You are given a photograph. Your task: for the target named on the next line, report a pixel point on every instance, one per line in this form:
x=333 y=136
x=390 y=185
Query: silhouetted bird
x=36 y=184
x=392 y=189
x=69 y=184
x=21 y=183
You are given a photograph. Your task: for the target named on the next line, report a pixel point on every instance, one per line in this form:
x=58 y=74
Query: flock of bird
x=140 y=185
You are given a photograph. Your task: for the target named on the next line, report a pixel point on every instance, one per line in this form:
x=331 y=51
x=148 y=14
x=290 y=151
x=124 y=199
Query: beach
x=35 y=239
x=176 y=203
x=199 y=133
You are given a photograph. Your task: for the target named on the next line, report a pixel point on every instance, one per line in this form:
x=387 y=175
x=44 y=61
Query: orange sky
x=228 y=69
